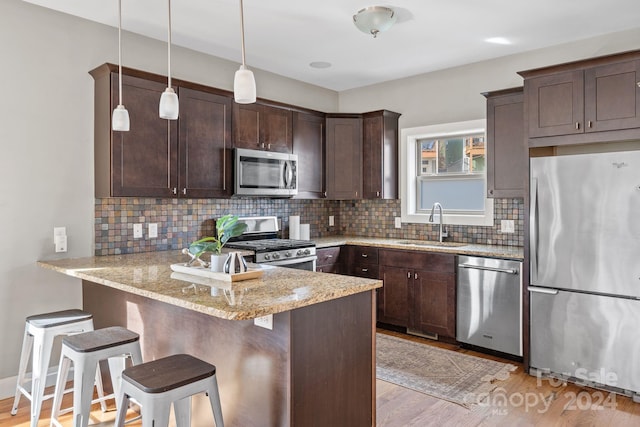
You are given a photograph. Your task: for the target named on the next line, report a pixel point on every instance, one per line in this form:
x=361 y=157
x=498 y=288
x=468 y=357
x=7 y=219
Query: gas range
x=261 y=237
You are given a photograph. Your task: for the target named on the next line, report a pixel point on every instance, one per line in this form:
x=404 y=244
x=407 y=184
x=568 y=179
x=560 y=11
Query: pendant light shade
x=169 y=105
x=120 y=117
x=244 y=84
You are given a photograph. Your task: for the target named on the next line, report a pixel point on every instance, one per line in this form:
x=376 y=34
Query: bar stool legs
x=85 y=351
x=156 y=385
x=39 y=334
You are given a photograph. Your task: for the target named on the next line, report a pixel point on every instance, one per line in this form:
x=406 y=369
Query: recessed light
x=320 y=64
x=498 y=40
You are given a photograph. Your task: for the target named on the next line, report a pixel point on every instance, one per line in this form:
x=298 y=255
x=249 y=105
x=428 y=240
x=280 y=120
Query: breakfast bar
x=310 y=361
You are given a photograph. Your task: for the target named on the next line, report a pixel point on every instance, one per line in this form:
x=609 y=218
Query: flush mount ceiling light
x=169 y=107
x=374 y=19
x=120 y=117
x=244 y=84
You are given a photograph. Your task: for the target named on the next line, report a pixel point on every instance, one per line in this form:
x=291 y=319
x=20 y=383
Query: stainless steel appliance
x=261 y=236
x=585 y=273
x=489 y=303
x=265 y=173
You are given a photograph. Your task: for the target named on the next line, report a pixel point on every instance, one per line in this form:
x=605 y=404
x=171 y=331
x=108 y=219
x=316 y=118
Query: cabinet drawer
x=415 y=260
x=328 y=256
x=365 y=253
x=370 y=271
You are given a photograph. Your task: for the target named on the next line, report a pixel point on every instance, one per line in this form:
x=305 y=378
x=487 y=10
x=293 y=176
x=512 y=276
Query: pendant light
x=244 y=84
x=120 y=117
x=169 y=106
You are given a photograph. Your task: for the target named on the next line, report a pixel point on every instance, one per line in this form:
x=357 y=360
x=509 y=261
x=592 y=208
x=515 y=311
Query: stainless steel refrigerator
x=585 y=269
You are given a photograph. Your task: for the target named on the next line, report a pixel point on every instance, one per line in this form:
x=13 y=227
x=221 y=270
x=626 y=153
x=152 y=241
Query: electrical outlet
x=507 y=226
x=398 y=222
x=137 y=231
x=153 y=230
x=264 y=321
x=331 y=221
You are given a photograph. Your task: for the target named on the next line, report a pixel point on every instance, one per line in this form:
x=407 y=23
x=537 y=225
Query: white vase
x=217 y=262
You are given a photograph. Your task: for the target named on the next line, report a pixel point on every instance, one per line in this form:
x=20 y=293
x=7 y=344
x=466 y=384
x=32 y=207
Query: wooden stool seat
x=156 y=385
x=58 y=318
x=100 y=339
x=168 y=373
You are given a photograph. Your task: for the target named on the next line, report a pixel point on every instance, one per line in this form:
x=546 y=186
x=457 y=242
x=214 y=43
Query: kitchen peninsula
x=316 y=366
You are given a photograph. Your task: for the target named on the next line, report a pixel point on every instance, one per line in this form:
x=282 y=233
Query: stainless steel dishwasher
x=489 y=304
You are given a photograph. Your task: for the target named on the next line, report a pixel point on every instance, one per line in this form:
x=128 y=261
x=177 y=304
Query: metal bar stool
x=39 y=333
x=86 y=350
x=174 y=379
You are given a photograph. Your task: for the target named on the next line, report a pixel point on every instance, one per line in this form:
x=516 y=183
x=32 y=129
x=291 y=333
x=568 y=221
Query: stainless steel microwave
x=265 y=173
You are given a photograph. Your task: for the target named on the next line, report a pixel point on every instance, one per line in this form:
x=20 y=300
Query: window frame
x=408 y=168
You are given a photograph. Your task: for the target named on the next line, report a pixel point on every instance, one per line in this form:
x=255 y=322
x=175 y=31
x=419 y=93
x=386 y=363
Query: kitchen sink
x=430 y=243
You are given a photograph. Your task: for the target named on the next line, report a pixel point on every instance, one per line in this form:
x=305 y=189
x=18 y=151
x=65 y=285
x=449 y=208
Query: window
x=445 y=164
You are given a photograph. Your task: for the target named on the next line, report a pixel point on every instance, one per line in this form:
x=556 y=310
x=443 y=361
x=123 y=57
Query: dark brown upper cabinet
x=190 y=157
x=262 y=127
x=595 y=100
x=507 y=150
x=204 y=146
x=344 y=157
x=380 y=155
x=308 y=144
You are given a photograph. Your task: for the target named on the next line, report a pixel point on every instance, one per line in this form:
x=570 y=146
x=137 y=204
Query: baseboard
x=8 y=385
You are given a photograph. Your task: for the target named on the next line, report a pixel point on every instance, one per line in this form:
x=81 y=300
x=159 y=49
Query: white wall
x=46 y=137
x=454 y=95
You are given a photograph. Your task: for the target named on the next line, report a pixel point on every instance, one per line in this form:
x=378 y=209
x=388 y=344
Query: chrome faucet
x=441 y=233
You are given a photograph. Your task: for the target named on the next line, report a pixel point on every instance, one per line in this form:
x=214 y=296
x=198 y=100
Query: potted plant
x=227 y=227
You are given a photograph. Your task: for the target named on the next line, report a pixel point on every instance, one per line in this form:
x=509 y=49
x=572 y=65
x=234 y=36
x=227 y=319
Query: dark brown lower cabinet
x=418 y=291
x=329 y=260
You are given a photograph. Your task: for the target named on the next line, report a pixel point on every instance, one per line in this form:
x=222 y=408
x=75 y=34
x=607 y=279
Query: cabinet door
x=556 y=104
x=507 y=152
x=433 y=303
x=143 y=160
x=246 y=126
x=275 y=129
x=380 y=155
x=394 y=306
x=329 y=260
x=262 y=127
x=344 y=158
x=612 y=97
x=308 y=144
x=204 y=144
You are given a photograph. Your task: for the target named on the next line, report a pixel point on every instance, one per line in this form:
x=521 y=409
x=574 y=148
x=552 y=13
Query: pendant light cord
x=120 y=51
x=169 y=46
x=242 y=30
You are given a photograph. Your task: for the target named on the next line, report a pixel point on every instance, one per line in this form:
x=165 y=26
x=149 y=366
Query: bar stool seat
x=155 y=385
x=39 y=334
x=85 y=351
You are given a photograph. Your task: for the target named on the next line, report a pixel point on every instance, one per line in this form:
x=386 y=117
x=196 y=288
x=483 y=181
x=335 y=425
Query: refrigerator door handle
x=533 y=230
x=543 y=290
x=481 y=267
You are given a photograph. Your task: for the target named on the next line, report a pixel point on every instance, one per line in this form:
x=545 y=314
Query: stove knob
x=307 y=252
x=276 y=255
x=287 y=254
x=267 y=257
x=300 y=252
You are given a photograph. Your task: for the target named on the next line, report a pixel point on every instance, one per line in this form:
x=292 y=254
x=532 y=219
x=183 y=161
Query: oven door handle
x=291 y=261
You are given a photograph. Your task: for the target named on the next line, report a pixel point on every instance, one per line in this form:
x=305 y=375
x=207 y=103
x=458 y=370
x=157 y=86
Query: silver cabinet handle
x=543 y=290
x=175 y=190
x=590 y=124
x=184 y=191
x=482 y=267
x=365 y=256
x=415 y=276
x=577 y=125
x=408 y=275
x=364 y=270
x=329 y=256
x=377 y=194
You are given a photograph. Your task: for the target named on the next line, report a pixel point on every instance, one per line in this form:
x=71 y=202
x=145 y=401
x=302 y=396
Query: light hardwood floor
x=521 y=400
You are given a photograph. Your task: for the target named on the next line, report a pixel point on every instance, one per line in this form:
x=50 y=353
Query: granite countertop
x=509 y=252
x=149 y=274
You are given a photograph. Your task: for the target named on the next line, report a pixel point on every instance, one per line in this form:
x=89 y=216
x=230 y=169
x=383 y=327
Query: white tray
x=252 y=273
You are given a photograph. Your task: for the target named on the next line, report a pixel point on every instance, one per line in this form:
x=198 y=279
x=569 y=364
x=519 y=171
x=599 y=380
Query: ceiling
x=285 y=36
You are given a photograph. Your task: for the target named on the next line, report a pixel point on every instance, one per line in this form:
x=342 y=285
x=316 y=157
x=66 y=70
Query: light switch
x=331 y=221
x=507 y=226
x=153 y=230
x=398 y=222
x=264 y=321
x=137 y=231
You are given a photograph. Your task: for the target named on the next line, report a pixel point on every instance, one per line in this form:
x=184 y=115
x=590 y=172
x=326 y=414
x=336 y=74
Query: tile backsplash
x=180 y=221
